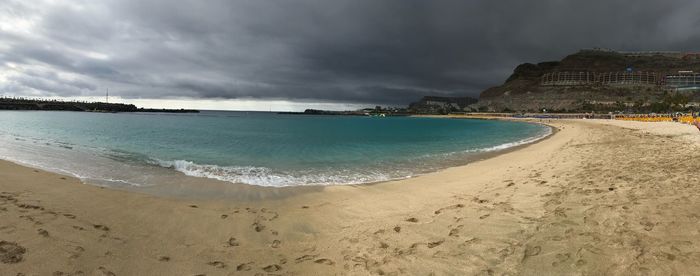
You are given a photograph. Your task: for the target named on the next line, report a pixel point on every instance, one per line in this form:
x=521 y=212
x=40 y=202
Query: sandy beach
x=596 y=198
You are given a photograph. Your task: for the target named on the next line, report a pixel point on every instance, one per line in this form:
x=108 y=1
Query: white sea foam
x=547 y=132
x=262 y=176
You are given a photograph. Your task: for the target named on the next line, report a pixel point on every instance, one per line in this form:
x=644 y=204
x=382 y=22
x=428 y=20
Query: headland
x=80 y=106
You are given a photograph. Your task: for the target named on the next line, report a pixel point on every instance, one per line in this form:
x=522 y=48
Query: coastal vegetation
x=11 y=103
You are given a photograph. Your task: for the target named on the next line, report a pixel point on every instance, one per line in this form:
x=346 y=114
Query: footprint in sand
x=258 y=226
x=8 y=197
x=305 y=258
x=217 y=264
x=232 y=242
x=397 y=229
x=359 y=259
x=324 y=261
x=272 y=268
x=480 y=201
x=43 y=233
x=29 y=206
x=276 y=244
x=164 y=258
x=100 y=227
x=412 y=220
x=472 y=241
x=106 y=272
x=244 y=267
x=435 y=243
x=454 y=232
x=11 y=253
x=532 y=251
x=437 y=212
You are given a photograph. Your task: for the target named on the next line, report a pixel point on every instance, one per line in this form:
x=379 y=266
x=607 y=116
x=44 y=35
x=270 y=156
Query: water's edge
x=263 y=150
x=200 y=187
x=484 y=155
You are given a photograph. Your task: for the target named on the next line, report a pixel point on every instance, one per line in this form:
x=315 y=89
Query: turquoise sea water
x=255 y=148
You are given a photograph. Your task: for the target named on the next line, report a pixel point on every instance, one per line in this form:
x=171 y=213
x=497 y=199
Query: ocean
x=256 y=148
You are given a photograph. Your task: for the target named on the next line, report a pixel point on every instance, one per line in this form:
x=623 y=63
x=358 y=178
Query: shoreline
x=255 y=192
x=556 y=207
x=202 y=188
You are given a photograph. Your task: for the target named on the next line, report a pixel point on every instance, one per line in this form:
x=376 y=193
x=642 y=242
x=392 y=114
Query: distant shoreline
x=19 y=104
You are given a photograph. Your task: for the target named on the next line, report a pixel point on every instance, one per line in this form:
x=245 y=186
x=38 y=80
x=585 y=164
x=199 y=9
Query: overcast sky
x=352 y=52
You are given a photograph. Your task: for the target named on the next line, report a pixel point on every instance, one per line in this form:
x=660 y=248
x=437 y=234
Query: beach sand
x=596 y=198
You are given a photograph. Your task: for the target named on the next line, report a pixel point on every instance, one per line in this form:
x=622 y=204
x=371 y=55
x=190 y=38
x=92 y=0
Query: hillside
x=440 y=105
x=594 y=80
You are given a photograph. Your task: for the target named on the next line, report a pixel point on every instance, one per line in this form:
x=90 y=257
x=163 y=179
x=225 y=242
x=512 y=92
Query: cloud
x=353 y=51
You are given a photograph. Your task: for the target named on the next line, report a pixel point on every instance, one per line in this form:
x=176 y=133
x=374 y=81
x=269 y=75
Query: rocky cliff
x=596 y=81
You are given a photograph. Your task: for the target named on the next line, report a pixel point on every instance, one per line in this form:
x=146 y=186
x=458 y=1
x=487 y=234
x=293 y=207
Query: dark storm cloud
x=363 y=51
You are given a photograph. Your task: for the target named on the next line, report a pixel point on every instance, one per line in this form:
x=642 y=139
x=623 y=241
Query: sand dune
x=596 y=198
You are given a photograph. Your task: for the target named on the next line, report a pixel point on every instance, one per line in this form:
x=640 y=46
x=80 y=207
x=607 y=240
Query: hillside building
x=684 y=80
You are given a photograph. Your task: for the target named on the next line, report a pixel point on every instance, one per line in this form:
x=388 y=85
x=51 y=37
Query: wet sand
x=596 y=198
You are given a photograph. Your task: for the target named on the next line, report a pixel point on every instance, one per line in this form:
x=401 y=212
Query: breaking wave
x=262 y=176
